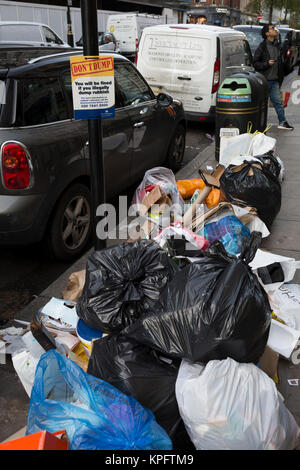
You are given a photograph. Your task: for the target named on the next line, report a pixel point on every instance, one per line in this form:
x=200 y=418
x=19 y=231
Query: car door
x=148 y=121
x=117 y=143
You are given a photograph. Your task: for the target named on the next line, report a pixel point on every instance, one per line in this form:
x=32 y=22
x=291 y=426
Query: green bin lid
x=235 y=86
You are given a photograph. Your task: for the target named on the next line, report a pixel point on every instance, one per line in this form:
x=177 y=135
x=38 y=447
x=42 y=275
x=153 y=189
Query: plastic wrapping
x=178 y=240
x=229 y=231
x=95 y=415
x=165 y=179
x=255 y=186
x=123 y=283
x=232 y=406
x=213 y=309
x=273 y=164
x=138 y=371
x=187 y=188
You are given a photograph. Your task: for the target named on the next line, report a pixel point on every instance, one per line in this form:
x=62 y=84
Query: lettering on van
x=176 y=51
x=175 y=43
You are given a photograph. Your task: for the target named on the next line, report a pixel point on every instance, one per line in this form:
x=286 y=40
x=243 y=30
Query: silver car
x=23 y=33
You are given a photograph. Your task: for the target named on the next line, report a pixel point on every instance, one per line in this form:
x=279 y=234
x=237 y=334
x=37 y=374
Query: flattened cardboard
x=268 y=362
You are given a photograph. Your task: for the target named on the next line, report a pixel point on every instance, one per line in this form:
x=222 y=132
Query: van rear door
x=124 y=28
x=177 y=61
x=232 y=55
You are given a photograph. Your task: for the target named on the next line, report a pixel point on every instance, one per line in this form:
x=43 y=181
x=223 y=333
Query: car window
x=254 y=38
x=67 y=88
x=247 y=53
x=20 y=32
x=51 y=37
x=43 y=101
x=132 y=87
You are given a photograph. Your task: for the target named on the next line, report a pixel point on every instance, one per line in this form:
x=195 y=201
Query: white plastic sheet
x=227 y=405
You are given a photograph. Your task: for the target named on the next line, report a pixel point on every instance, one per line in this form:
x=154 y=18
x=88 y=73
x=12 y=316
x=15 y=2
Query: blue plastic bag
x=95 y=415
x=229 y=231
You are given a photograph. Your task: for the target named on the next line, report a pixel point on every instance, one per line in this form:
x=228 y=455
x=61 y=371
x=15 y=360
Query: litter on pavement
x=171 y=340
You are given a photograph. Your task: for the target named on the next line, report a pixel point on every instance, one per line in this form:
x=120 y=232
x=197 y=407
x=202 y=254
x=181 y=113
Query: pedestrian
x=201 y=19
x=268 y=60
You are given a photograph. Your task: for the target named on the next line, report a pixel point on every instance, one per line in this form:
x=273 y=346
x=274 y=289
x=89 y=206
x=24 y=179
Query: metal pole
x=91 y=48
x=70 y=34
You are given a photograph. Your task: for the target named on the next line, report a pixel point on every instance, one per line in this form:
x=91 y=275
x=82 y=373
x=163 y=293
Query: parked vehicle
x=128 y=27
x=190 y=61
x=106 y=41
x=44 y=158
x=28 y=33
x=289 y=39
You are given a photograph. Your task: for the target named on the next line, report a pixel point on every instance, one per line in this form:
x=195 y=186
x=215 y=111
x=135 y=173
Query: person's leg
x=275 y=97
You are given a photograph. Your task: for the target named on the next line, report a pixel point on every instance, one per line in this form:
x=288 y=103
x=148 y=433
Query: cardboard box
x=38 y=441
x=212 y=179
x=151 y=198
x=74 y=286
x=268 y=362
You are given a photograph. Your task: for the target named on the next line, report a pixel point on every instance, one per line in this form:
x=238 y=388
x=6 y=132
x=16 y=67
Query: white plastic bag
x=227 y=405
x=25 y=366
x=285 y=303
x=265 y=258
x=245 y=145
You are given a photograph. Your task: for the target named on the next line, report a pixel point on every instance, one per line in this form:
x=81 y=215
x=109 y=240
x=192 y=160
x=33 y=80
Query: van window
x=43 y=101
x=132 y=87
x=170 y=51
x=50 y=37
x=234 y=52
x=25 y=32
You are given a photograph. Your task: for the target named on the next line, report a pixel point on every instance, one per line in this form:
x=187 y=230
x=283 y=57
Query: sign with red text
x=93 y=87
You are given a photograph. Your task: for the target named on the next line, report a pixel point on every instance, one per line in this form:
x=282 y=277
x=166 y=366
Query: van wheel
x=71 y=225
x=176 y=149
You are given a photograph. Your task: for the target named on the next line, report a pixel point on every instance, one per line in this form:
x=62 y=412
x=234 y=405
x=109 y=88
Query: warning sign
x=93 y=87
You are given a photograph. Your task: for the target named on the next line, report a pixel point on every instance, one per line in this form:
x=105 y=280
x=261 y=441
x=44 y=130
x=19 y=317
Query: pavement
x=284 y=240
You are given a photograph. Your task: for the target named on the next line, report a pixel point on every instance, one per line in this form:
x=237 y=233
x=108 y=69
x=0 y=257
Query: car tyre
x=70 y=227
x=176 y=149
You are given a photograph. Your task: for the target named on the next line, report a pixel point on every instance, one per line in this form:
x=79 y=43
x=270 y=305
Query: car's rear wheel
x=176 y=149
x=70 y=227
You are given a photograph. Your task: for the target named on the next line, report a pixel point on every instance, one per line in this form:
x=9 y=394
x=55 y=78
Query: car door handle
x=139 y=124
x=184 y=78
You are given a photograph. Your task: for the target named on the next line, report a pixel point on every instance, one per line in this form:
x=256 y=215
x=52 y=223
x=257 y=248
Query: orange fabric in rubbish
x=187 y=188
x=213 y=198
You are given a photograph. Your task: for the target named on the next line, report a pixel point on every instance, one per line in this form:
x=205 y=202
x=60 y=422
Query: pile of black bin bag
x=158 y=312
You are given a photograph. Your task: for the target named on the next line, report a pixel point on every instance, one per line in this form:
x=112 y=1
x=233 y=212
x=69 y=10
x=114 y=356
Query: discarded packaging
x=226 y=405
x=122 y=283
x=95 y=415
x=212 y=309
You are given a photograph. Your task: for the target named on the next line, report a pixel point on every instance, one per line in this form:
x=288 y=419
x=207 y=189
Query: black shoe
x=285 y=125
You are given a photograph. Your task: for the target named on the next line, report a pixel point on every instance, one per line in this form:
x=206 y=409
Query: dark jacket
x=262 y=57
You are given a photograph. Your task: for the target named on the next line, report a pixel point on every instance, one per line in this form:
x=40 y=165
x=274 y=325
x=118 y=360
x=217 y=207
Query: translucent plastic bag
x=165 y=179
x=230 y=406
x=95 y=415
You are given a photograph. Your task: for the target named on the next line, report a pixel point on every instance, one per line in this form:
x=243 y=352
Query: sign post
x=90 y=106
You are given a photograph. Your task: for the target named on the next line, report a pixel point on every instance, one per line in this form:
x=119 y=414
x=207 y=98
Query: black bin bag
x=142 y=373
x=213 y=309
x=122 y=283
x=253 y=184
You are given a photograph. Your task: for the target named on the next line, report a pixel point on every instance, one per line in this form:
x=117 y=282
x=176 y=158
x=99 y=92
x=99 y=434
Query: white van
x=190 y=61
x=128 y=27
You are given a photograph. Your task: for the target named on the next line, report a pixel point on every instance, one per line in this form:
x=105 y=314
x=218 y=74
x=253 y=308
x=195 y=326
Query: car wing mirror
x=164 y=100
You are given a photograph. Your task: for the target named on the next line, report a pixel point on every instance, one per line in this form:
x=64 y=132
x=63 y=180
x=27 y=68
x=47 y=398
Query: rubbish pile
x=171 y=339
